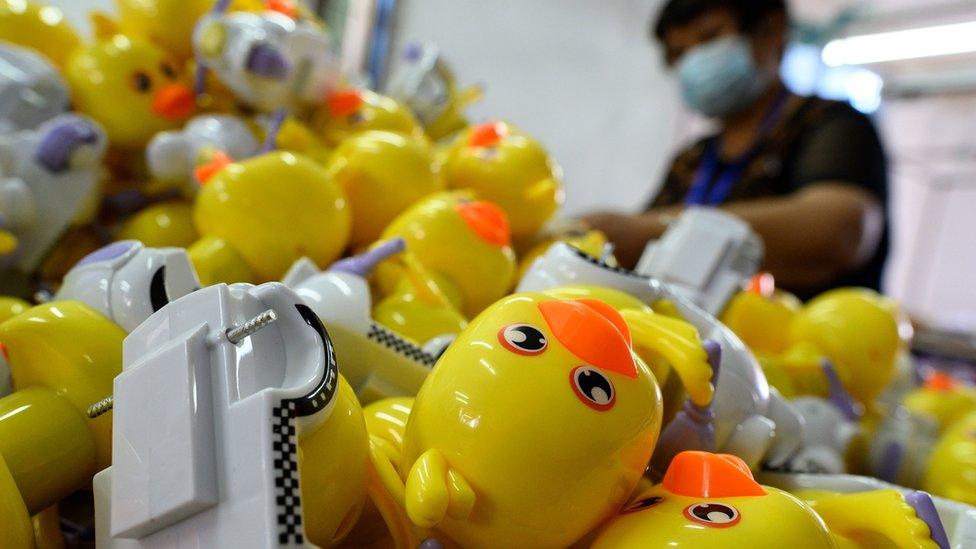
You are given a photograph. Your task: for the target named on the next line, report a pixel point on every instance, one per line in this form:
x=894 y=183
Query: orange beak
x=487 y=221
x=173 y=102
x=487 y=134
x=941 y=382
x=344 y=102
x=706 y=475
x=593 y=331
x=284 y=7
x=219 y=161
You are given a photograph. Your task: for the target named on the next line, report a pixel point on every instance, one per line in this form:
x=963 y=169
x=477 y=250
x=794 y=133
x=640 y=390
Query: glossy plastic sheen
x=46 y=445
x=36 y=25
x=272 y=210
x=16 y=532
x=333 y=465
x=488 y=422
x=161 y=225
x=167 y=23
x=372 y=111
x=104 y=79
x=858 y=331
x=511 y=170
x=381 y=175
x=952 y=465
x=449 y=247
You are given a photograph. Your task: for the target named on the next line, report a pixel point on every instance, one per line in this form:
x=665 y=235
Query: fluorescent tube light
x=902 y=44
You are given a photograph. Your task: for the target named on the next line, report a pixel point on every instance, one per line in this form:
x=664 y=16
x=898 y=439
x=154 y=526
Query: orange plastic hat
x=219 y=161
x=284 y=7
x=487 y=221
x=707 y=475
x=487 y=134
x=593 y=331
x=344 y=102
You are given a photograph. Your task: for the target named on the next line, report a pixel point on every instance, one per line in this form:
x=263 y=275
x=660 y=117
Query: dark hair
x=748 y=13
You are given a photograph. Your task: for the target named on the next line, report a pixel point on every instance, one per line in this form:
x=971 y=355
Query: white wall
x=581 y=75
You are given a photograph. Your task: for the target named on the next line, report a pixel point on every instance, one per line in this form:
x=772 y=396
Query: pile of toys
x=250 y=304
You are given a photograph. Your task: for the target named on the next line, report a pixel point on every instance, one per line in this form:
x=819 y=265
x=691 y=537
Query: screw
x=101 y=407
x=236 y=335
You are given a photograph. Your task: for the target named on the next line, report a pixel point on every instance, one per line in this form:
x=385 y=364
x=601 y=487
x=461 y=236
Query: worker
x=809 y=175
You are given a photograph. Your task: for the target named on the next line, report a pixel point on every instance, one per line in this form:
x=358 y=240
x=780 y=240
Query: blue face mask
x=720 y=78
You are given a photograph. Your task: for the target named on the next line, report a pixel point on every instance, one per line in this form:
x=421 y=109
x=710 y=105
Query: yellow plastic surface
x=377 y=112
x=591 y=242
x=17 y=532
x=382 y=174
x=12 y=306
x=104 y=80
x=39 y=26
x=775 y=520
x=858 y=331
x=763 y=323
x=166 y=23
x=441 y=240
x=216 y=261
x=944 y=406
x=272 y=210
x=45 y=350
x=490 y=422
x=412 y=313
x=516 y=173
x=951 y=471
x=46 y=445
x=333 y=462
x=169 y=224
x=879 y=518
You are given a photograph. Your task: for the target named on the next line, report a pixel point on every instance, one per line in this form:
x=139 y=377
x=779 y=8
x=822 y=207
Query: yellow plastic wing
x=679 y=343
x=880 y=518
x=434 y=491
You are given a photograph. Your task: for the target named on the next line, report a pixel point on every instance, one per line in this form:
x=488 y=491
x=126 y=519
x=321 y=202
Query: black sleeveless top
x=817 y=140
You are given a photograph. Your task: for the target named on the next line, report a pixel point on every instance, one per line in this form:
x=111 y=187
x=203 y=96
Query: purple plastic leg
x=364 y=263
x=693 y=427
x=925 y=509
x=266 y=61
x=61 y=141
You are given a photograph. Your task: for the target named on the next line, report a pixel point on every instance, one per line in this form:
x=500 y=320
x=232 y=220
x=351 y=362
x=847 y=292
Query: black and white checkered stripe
x=603 y=264
x=284 y=442
x=391 y=340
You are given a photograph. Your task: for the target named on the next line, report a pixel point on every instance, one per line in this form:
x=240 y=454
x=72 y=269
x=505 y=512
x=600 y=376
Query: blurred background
x=587 y=80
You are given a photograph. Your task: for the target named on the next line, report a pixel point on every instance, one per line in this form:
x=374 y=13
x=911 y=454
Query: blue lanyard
x=703 y=192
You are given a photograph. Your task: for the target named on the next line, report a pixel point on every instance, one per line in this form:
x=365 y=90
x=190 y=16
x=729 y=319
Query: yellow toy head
x=502 y=164
x=857 y=329
x=272 y=210
x=333 y=463
x=942 y=398
x=951 y=472
x=541 y=418
x=131 y=87
x=166 y=23
x=711 y=500
x=761 y=318
x=347 y=112
x=37 y=26
x=382 y=174
x=464 y=242
x=63 y=357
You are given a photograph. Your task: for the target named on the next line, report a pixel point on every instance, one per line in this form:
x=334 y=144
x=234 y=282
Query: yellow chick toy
x=857 y=329
x=463 y=243
x=130 y=86
x=951 y=470
x=166 y=23
x=505 y=166
x=382 y=174
x=48 y=447
x=347 y=112
x=534 y=427
x=258 y=216
x=711 y=500
x=37 y=26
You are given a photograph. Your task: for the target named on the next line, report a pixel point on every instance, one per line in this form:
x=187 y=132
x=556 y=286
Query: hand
x=628 y=233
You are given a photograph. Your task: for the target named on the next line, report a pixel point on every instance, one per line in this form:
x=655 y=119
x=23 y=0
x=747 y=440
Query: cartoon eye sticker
x=141 y=82
x=593 y=388
x=645 y=503
x=523 y=339
x=712 y=514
